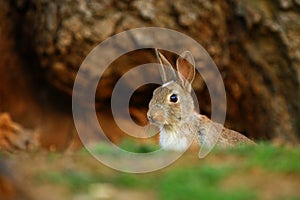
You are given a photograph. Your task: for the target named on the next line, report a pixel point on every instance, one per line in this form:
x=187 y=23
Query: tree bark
x=255 y=45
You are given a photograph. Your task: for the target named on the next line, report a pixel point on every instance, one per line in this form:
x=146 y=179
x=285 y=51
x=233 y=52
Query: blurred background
x=255 y=45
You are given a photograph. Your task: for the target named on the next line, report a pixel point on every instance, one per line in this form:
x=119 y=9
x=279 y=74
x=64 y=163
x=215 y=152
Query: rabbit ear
x=166 y=70
x=186 y=69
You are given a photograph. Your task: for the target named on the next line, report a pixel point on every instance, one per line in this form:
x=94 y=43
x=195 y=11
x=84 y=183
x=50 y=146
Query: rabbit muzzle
x=157 y=115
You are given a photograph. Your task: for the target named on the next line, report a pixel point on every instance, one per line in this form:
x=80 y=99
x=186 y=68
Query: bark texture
x=255 y=44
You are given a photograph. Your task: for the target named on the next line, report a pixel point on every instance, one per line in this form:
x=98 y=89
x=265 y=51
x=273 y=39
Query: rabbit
x=171 y=109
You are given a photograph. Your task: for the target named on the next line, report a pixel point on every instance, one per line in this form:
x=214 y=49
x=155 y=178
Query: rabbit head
x=172 y=102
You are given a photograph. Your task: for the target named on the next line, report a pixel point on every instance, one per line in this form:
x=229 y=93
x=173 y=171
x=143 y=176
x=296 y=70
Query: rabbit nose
x=156 y=116
x=149 y=116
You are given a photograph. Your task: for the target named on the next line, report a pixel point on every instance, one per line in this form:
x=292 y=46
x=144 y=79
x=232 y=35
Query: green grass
x=200 y=183
x=200 y=179
x=74 y=180
x=132 y=146
x=126 y=145
x=277 y=159
x=269 y=157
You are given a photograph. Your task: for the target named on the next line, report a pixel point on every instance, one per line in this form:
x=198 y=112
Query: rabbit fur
x=172 y=110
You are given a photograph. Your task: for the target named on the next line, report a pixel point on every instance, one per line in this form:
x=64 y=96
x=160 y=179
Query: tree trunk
x=255 y=45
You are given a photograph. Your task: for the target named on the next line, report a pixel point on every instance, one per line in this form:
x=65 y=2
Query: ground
x=264 y=171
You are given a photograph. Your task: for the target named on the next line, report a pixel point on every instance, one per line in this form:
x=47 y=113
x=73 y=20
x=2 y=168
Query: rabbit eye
x=173 y=98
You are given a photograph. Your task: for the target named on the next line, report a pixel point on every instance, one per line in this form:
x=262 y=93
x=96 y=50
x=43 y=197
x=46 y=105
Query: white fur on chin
x=170 y=140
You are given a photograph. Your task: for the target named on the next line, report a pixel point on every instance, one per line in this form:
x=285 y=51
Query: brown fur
x=178 y=122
